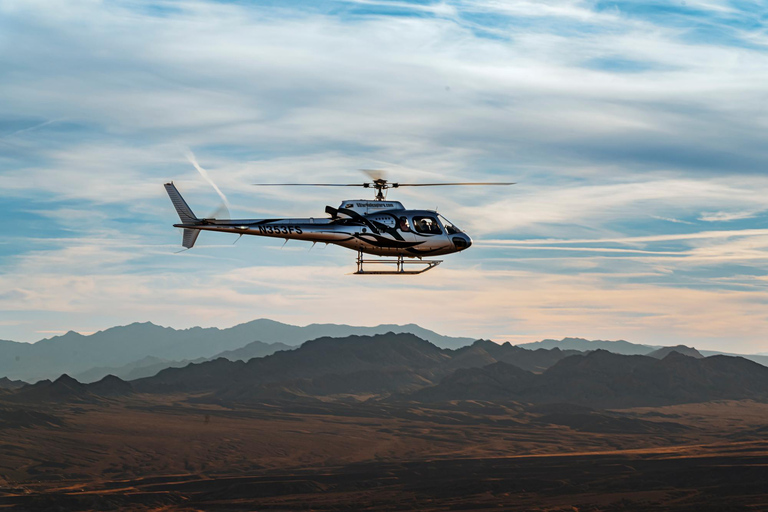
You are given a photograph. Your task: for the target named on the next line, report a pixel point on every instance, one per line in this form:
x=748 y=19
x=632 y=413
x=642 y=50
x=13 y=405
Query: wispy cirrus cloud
x=727 y=216
x=639 y=239
x=635 y=131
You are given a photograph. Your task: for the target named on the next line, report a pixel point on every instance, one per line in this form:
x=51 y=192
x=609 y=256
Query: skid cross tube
x=399 y=263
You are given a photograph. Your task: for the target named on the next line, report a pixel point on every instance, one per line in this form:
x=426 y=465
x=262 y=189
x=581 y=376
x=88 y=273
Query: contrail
x=191 y=157
x=35 y=127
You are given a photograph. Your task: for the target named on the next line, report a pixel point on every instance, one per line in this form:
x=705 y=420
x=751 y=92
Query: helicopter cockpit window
x=450 y=228
x=426 y=225
x=403 y=223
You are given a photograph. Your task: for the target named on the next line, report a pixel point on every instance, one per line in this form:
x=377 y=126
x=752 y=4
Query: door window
x=426 y=225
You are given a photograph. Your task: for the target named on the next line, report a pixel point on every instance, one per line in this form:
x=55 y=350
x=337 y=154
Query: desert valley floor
x=149 y=452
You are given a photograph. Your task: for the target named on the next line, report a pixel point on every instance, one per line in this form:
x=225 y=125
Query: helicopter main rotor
x=379 y=184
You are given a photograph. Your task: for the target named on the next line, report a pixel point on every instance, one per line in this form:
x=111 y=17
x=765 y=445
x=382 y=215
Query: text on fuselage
x=280 y=230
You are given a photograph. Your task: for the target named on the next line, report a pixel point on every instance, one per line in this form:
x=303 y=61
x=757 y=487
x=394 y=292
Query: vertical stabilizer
x=185 y=214
x=182 y=208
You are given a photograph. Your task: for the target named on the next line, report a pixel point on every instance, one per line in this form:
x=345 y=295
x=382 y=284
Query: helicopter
x=378 y=227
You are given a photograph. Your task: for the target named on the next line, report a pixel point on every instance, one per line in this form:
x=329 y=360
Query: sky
x=636 y=133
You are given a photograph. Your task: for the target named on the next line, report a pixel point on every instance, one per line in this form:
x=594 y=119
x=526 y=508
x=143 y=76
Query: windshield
x=450 y=228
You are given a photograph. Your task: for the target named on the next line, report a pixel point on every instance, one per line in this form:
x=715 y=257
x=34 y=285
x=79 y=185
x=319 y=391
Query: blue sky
x=636 y=132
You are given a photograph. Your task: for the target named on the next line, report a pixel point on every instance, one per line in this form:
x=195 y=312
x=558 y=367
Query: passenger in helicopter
x=404 y=225
x=427 y=225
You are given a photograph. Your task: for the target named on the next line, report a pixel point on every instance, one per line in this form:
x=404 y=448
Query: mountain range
x=584 y=345
x=143 y=349
x=67 y=389
x=150 y=365
x=118 y=347
x=680 y=349
x=627 y=348
x=601 y=379
x=379 y=364
x=403 y=368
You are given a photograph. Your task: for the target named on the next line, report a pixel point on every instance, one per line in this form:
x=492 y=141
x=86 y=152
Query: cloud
x=622 y=123
x=639 y=239
x=726 y=216
x=596 y=205
x=669 y=219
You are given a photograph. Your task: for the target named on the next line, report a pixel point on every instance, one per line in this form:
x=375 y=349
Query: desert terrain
x=394 y=422
x=168 y=453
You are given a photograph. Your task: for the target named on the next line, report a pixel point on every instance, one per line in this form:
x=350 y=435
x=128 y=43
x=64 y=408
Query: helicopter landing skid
x=399 y=263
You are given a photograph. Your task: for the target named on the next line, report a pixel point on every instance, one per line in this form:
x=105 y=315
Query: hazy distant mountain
x=680 y=349
x=627 y=348
x=573 y=345
x=251 y=350
x=149 y=366
x=606 y=380
x=617 y=347
x=145 y=367
x=113 y=348
x=760 y=359
x=94 y=374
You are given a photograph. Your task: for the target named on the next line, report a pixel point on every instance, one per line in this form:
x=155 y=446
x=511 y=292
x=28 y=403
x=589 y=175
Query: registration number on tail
x=280 y=230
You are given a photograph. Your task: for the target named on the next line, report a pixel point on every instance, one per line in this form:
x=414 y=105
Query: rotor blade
x=449 y=184
x=375 y=174
x=311 y=184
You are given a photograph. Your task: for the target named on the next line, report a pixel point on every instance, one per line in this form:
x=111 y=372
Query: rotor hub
x=381 y=185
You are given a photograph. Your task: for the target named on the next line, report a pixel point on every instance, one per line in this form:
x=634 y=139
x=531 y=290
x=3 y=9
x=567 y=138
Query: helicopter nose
x=462 y=242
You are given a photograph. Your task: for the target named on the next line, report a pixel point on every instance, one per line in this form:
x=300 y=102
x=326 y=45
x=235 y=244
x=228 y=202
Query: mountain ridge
x=617 y=346
x=400 y=368
x=329 y=362
x=602 y=379
x=123 y=350
x=112 y=348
